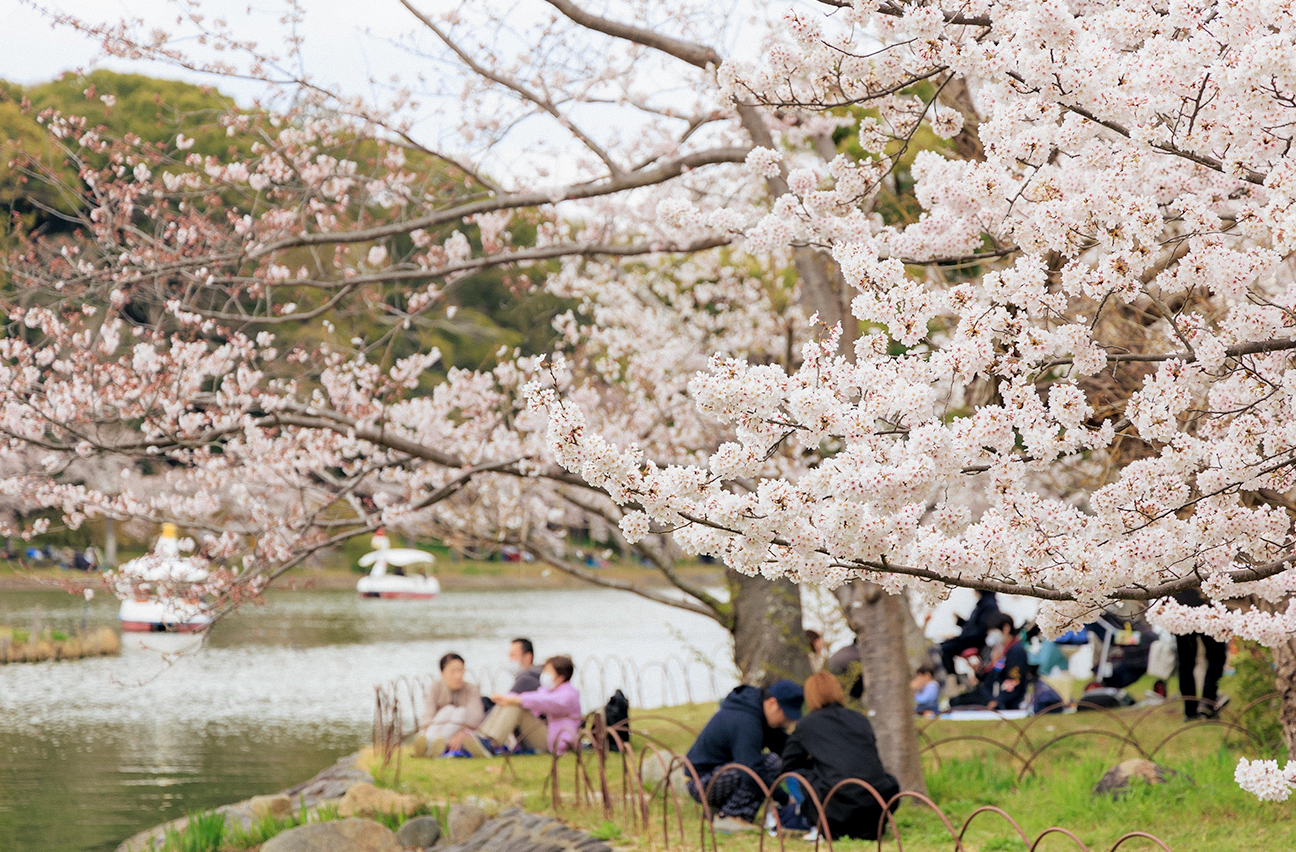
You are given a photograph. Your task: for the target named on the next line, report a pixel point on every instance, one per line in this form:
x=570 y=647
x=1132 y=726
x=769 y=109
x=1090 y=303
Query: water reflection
x=96 y=749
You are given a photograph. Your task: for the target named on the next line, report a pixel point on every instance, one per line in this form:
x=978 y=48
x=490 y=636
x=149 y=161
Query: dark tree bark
x=769 y=641
x=1284 y=657
x=878 y=620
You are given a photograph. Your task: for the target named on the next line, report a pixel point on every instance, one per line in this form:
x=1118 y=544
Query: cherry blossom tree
x=250 y=327
x=1063 y=371
x=1072 y=377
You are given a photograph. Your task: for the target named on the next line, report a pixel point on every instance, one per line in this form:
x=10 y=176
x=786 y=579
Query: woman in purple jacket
x=557 y=702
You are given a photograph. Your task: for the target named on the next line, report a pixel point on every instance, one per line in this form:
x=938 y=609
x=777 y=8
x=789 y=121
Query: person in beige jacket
x=452 y=710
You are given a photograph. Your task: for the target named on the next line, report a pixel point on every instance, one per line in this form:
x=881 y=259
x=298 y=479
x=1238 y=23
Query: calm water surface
x=94 y=750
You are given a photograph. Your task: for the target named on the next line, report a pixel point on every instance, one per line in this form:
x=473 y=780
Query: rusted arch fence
x=638 y=801
x=1025 y=750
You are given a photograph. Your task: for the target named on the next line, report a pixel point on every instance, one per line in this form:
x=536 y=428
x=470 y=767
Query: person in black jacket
x=1002 y=683
x=974 y=629
x=749 y=720
x=833 y=743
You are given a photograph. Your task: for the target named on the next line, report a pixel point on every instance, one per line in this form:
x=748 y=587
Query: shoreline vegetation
x=22 y=646
x=455 y=576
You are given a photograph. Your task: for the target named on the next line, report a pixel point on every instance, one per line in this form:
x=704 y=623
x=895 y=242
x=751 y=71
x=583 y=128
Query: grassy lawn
x=1199 y=810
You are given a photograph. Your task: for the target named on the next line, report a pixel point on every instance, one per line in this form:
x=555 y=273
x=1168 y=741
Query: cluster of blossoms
x=1265 y=780
x=1089 y=416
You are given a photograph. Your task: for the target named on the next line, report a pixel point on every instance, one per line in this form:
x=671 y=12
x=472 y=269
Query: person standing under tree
x=1216 y=657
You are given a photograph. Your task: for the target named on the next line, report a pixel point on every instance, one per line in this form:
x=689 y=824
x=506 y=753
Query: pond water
x=92 y=751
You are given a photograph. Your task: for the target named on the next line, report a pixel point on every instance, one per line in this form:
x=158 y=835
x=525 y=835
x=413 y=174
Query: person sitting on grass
x=833 y=743
x=926 y=692
x=749 y=720
x=452 y=708
x=526 y=678
x=1001 y=684
x=556 y=702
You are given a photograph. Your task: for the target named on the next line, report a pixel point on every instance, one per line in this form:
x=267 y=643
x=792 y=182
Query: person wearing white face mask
x=1001 y=684
x=556 y=702
x=521 y=664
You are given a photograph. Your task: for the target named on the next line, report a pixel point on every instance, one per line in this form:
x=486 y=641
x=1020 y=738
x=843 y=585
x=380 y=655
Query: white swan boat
x=398 y=584
x=164 y=570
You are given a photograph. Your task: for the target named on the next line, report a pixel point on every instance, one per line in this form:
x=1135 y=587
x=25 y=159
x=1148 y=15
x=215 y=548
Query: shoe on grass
x=1210 y=711
x=437 y=748
x=474 y=746
x=732 y=825
x=420 y=745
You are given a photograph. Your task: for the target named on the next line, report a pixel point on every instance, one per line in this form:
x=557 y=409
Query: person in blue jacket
x=749 y=728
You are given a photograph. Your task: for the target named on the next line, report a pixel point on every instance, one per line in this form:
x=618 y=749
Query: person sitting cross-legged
x=750 y=720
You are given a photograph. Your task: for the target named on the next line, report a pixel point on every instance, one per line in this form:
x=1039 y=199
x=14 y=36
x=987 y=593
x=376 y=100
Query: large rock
x=463 y=820
x=278 y=806
x=654 y=771
x=347 y=835
x=419 y=833
x=517 y=831
x=332 y=783
x=1116 y=782
x=364 y=800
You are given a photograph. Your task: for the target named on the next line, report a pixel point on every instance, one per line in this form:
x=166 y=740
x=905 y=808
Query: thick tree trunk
x=878 y=620
x=1284 y=657
x=769 y=641
x=916 y=643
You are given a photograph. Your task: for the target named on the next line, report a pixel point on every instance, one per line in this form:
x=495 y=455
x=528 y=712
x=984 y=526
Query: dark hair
x=1000 y=621
x=527 y=647
x=813 y=636
x=562 y=666
x=449 y=658
x=927 y=669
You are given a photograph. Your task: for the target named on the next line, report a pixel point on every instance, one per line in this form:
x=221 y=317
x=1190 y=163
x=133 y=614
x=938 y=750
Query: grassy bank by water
x=22 y=646
x=1200 y=809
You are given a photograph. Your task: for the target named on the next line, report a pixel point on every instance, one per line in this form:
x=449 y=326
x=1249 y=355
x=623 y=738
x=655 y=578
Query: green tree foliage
x=40 y=192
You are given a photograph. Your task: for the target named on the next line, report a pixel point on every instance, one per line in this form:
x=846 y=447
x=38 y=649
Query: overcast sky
x=337 y=47
x=347 y=43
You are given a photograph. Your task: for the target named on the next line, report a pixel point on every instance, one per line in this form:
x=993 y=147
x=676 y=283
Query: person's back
x=978 y=621
x=831 y=744
x=842 y=745
x=735 y=734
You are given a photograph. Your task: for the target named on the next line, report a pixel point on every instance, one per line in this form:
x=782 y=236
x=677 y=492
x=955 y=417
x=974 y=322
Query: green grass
x=204 y=832
x=1199 y=810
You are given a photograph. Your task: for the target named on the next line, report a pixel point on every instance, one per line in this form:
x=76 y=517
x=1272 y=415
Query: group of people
x=1000 y=668
x=541 y=712
x=830 y=744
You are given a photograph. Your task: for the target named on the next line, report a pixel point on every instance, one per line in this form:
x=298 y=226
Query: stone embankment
x=469 y=828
